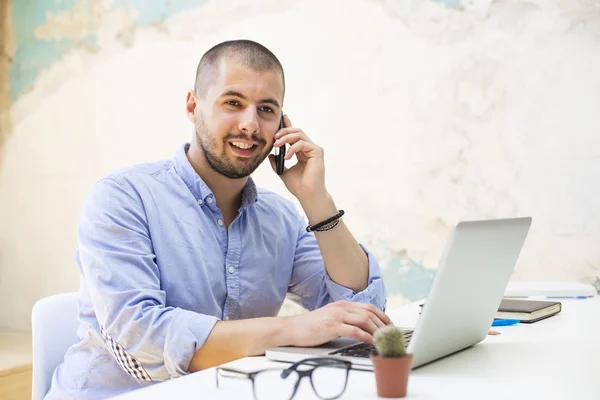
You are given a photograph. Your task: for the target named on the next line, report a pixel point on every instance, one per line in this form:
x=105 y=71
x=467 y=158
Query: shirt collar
x=197 y=186
x=249 y=194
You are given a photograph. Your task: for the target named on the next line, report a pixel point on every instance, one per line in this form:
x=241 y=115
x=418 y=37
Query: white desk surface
x=556 y=358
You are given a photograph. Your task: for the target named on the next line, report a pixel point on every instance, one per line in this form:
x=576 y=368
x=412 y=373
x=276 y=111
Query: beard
x=229 y=166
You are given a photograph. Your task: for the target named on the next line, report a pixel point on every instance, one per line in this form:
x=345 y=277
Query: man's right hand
x=341 y=318
x=230 y=340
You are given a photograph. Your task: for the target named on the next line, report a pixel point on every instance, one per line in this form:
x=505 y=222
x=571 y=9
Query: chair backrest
x=54 y=329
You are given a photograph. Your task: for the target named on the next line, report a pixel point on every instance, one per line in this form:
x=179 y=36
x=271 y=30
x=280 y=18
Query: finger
x=349 y=305
x=355 y=333
x=379 y=322
x=286 y=131
x=303 y=148
x=368 y=314
x=379 y=317
x=291 y=138
x=363 y=322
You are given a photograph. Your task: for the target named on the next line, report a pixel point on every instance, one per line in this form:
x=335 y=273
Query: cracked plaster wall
x=429 y=113
x=6 y=56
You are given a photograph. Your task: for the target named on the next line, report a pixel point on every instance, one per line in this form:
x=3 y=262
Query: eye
x=233 y=103
x=266 y=109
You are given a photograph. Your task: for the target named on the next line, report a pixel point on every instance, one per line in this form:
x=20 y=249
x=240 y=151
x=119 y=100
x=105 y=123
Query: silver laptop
x=468 y=287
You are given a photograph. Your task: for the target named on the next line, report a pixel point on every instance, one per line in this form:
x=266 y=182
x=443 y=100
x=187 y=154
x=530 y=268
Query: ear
x=191 y=102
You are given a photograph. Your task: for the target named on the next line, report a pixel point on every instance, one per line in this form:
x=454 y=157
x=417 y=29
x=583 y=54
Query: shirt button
x=227 y=318
x=209 y=200
x=200 y=202
x=220 y=222
x=231 y=270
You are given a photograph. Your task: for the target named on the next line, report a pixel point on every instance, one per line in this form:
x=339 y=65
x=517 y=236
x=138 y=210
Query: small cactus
x=389 y=341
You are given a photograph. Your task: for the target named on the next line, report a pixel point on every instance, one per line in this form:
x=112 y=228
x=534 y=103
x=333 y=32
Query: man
x=185 y=263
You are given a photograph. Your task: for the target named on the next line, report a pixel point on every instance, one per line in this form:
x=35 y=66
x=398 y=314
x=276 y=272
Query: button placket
x=231 y=265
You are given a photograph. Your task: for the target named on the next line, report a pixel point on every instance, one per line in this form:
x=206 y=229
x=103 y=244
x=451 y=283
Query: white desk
x=557 y=358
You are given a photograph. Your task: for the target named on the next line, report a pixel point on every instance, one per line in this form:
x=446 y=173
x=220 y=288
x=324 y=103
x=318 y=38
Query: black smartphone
x=279 y=155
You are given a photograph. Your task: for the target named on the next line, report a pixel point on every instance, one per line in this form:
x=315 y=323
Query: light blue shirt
x=159 y=268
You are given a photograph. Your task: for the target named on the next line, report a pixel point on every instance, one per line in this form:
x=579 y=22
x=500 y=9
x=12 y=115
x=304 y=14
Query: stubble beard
x=221 y=163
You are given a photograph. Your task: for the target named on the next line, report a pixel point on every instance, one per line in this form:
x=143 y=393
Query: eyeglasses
x=328 y=378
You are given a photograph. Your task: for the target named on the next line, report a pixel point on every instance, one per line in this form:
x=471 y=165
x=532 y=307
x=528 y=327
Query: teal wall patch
x=404 y=276
x=34 y=54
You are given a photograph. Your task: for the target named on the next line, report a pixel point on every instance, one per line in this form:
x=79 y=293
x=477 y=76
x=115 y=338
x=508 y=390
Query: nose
x=249 y=121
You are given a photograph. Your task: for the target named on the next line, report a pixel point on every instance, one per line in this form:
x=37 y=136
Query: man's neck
x=227 y=191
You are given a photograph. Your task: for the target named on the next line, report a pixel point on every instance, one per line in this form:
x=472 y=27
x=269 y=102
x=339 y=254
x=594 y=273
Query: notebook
x=527 y=311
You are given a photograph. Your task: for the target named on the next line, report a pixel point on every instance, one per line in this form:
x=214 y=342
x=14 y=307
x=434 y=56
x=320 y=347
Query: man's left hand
x=306 y=179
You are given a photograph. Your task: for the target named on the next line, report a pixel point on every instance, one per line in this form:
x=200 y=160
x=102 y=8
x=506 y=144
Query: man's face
x=237 y=118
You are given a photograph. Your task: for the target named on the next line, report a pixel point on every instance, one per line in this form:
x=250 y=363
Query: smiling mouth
x=243 y=149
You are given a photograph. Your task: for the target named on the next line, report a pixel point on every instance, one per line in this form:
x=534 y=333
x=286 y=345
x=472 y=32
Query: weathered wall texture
x=6 y=56
x=428 y=114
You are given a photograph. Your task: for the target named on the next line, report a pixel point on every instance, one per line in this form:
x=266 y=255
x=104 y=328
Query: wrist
x=273 y=333
x=286 y=331
x=318 y=207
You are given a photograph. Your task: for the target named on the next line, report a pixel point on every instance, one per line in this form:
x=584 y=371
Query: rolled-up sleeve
x=312 y=287
x=149 y=340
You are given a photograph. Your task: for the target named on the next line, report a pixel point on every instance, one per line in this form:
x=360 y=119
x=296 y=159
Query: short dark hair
x=247 y=52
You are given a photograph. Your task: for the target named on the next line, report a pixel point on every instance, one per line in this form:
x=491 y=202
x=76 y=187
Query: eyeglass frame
x=316 y=362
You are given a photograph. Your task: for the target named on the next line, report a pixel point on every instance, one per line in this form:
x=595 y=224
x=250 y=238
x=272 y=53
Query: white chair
x=54 y=329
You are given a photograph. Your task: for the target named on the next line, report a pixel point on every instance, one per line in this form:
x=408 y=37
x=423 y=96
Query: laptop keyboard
x=364 y=350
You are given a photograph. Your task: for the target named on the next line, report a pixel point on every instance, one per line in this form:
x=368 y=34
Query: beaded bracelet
x=321 y=224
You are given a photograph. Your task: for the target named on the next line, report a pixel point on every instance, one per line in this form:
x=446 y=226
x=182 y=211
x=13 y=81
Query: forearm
x=345 y=261
x=231 y=340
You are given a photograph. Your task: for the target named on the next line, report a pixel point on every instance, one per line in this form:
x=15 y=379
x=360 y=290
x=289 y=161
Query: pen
x=505 y=322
